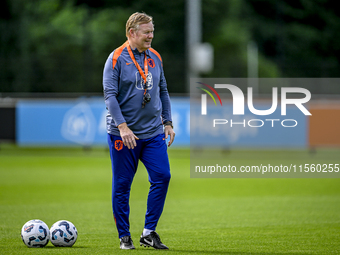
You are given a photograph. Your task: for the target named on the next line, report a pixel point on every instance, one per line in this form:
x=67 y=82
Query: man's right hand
x=128 y=137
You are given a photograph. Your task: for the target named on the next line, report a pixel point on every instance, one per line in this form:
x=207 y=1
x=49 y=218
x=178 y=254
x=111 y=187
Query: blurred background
x=56 y=49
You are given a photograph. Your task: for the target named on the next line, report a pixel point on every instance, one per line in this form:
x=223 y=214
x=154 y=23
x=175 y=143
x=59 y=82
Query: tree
x=62 y=45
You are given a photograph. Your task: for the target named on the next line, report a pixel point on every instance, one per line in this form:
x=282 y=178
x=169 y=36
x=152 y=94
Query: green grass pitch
x=201 y=216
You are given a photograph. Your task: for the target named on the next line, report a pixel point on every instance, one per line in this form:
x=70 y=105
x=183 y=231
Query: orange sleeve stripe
x=156 y=53
x=117 y=53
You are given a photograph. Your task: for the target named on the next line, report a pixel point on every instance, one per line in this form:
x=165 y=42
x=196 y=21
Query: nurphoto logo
x=238 y=104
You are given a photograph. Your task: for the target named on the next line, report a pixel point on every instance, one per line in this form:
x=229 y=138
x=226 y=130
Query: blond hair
x=137 y=19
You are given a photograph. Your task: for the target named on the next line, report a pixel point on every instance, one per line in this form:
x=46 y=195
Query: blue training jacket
x=123 y=93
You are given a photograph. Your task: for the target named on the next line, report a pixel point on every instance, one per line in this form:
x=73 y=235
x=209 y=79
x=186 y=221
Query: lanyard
x=137 y=65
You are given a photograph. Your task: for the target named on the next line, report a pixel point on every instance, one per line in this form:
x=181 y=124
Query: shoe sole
x=123 y=248
x=145 y=245
x=148 y=245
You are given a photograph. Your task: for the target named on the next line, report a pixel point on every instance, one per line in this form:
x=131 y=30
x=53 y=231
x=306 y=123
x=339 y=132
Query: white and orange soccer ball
x=35 y=233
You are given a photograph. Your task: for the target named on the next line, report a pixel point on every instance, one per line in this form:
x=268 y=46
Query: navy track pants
x=153 y=154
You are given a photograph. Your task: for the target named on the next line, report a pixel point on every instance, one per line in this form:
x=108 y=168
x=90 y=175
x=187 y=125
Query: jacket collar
x=135 y=52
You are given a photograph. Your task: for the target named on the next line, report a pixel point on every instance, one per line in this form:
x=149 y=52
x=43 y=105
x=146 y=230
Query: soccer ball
x=63 y=233
x=35 y=233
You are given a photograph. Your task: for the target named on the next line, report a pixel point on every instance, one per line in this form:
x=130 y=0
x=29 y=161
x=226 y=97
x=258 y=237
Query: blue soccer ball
x=63 y=233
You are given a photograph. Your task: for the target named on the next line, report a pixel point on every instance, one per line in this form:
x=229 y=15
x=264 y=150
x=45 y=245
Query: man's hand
x=169 y=131
x=128 y=137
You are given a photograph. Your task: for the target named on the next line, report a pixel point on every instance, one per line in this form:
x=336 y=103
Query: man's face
x=143 y=36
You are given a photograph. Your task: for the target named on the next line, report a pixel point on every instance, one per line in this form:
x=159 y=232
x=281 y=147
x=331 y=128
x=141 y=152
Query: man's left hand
x=169 y=131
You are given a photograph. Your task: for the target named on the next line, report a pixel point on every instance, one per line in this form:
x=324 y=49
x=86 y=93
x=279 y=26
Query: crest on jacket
x=140 y=81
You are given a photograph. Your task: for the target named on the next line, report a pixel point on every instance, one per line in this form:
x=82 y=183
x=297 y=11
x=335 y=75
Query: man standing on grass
x=138 y=122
